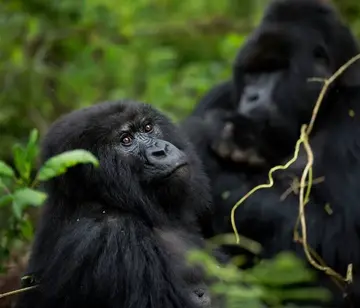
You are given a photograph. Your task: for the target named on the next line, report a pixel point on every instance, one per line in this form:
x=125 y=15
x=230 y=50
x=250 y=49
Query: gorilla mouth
x=180 y=169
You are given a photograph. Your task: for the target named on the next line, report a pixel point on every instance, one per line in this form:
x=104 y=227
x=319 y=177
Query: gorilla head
x=139 y=149
x=296 y=40
x=100 y=240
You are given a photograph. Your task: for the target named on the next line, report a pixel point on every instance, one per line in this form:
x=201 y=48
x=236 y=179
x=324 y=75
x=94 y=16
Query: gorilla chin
x=180 y=170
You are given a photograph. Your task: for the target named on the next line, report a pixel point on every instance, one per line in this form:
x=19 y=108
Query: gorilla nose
x=252 y=97
x=164 y=153
x=159 y=152
x=199 y=292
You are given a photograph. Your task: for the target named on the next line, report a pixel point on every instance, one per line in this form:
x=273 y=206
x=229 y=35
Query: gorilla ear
x=351 y=77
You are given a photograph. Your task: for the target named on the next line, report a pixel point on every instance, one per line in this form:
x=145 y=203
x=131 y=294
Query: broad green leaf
x=24 y=197
x=58 y=165
x=6 y=170
x=5 y=200
x=27 y=229
x=17 y=210
x=28 y=196
x=285 y=268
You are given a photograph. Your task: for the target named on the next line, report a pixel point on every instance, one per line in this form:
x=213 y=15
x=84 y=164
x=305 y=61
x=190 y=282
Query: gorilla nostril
x=158 y=153
x=200 y=293
x=253 y=97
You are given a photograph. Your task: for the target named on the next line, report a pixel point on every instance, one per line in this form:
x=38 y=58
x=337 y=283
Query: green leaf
x=58 y=165
x=284 y=269
x=17 y=210
x=30 y=154
x=6 y=170
x=304 y=293
x=34 y=135
x=17 y=57
x=28 y=196
x=32 y=148
x=20 y=160
x=5 y=200
x=24 y=197
x=27 y=230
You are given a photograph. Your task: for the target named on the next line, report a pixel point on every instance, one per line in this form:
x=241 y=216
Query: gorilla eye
x=148 y=128
x=126 y=140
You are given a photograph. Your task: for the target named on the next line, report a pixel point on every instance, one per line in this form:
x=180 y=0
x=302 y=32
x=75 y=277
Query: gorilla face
x=142 y=141
x=297 y=41
x=276 y=90
x=138 y=148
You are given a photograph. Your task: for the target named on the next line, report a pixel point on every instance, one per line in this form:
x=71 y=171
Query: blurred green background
x=59 y=55
x=56 y=56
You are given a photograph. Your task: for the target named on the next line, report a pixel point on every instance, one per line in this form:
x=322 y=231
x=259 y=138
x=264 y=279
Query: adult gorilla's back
x=98 y=243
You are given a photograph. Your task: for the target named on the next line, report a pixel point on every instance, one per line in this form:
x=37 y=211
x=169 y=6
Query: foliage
x=271 y=281
x=56 y=56
x=59 y=55
x=350 y=9
x=18 y=190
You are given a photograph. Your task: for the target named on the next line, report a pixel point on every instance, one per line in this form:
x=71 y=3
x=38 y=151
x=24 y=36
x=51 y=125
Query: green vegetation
x=18 y=185
x=56 y=56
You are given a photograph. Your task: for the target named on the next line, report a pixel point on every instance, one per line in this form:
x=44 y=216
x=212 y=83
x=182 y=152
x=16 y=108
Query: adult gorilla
x=296 y=40
x=274 y=65
x=106 y=233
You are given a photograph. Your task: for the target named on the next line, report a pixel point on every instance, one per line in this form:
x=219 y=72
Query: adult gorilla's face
x=296 y=41
x=274 y=72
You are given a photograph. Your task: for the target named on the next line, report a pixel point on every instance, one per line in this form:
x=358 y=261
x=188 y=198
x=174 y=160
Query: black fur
x=100 y=240
x=293 y=37
x=219 y=97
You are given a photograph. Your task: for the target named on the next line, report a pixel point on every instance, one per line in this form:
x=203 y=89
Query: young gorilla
x=103 y=237
x=297 y=40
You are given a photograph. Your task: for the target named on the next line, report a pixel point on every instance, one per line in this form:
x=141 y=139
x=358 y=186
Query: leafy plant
x=271 y=281
x=18 y=189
